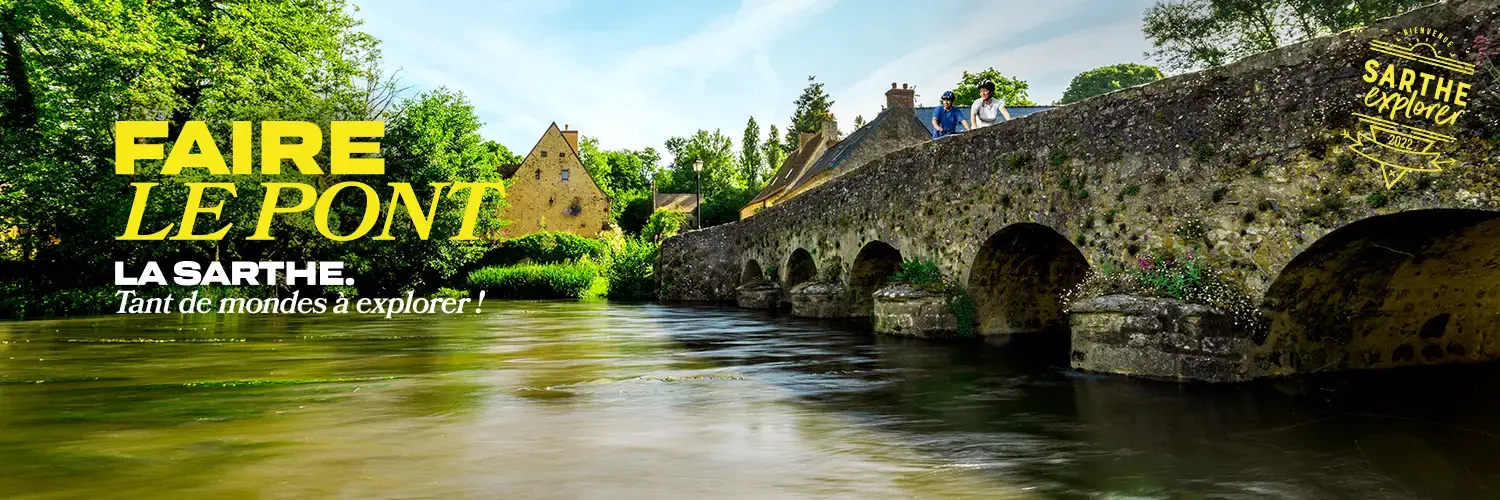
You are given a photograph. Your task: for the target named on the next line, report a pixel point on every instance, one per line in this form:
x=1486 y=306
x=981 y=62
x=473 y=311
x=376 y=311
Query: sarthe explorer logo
x=1418 y=90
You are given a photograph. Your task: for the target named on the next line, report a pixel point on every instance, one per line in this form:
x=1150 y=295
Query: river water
x=645 y=401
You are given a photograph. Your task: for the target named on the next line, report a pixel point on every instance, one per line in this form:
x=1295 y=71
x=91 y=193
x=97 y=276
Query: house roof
x=508 y=170
x=924 y=114
x=679 y=202
x=793 y=168
x=837 y=153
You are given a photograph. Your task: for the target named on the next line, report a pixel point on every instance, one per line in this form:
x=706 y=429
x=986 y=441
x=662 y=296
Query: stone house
x=823 y=155
x=551 y=191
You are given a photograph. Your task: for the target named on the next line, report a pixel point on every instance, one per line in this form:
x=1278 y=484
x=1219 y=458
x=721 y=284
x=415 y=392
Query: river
x=644 y=401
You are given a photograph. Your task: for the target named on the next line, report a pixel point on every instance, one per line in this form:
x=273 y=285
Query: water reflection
x=601 y=400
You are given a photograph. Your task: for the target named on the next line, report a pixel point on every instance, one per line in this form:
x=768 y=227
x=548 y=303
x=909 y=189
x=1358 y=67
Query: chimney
x=830 y=128
x=904 y=97
x=571 y=136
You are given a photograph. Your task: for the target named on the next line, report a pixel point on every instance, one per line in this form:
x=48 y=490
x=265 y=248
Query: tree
x=724 y=188
x=720 y=173
x=812 y=107
x=625 y=176
x=859 y=121
x=501 y=155
x=1192 y=34
x=750 y=154
x=596 y=162
x=72 y=69
x=1011 y=90
x=1108 y=79
x=433 y=138
x=774 y=151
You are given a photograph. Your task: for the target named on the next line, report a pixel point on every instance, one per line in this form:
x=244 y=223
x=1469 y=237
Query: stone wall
x=1244 y=166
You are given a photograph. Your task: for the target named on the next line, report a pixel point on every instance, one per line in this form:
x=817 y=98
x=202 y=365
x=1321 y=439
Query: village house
x=685 y=203
x=824 y=155
x=551 y=191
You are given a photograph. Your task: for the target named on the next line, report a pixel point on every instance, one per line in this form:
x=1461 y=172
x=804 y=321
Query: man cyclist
x=946 y=119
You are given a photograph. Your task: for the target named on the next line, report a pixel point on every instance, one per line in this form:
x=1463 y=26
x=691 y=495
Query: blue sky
x=633 y=73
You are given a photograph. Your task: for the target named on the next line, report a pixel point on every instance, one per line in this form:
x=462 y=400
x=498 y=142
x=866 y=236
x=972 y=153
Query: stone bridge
x=1246 y=167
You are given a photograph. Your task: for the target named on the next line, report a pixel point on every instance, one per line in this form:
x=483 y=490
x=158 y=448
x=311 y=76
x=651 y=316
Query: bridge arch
x=1019 y=276
x=1410 y=288
x=751 y=273
x=872 y=269
x=799 y=268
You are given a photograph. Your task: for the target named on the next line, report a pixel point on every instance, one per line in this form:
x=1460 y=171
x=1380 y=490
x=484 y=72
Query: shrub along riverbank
x=562 y=265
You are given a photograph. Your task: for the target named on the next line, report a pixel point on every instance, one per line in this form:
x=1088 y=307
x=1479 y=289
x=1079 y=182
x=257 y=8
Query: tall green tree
x=1108 y=79
x=720 y=169
x=775 y=152
x=724 y=190
x=813 y=106
x=750 y=154
x=1012 y=90
x=1192 y=34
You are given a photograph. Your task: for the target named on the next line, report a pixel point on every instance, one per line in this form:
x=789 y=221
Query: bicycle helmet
x=948 y=95
x=987 y=85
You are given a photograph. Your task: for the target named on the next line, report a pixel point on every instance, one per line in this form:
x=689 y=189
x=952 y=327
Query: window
x=565 y=174
x=539 y=174
x=562 y=155
x=544 y=154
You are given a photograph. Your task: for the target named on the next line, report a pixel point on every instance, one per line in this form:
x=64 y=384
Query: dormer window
x=565 y=174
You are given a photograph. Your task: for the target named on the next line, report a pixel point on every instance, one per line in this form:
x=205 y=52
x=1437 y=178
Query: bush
x=920 y=273
x=546 y=248
x=536 y=281
x=632 y=273
x=1164 y=276
x=663 y=224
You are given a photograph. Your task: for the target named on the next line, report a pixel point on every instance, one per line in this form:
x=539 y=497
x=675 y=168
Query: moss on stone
x=1057 y=157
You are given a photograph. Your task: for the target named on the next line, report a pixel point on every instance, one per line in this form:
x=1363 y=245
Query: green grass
x=919 y=273
x=536 y=281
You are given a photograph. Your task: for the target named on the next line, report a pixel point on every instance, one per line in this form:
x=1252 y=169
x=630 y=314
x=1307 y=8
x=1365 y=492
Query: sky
x=634 y=73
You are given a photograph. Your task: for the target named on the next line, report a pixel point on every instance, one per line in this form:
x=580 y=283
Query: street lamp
x=698 y=197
